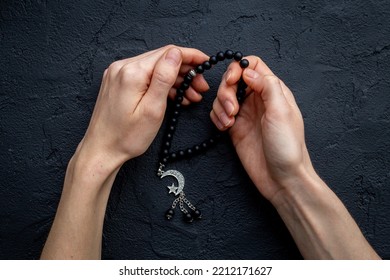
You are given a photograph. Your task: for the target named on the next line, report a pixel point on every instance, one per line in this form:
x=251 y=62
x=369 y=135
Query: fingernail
x=173 y=56
x=228 y=75
x=219 y=125
x=251 y=73
x=225 y=120
x=229 y=107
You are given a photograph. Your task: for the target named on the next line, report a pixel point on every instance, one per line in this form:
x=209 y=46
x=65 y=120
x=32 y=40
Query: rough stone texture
x=333 y=54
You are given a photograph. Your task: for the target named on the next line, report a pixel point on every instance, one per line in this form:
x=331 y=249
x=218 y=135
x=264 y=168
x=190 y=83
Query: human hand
x=132 y=101
x=267 y=130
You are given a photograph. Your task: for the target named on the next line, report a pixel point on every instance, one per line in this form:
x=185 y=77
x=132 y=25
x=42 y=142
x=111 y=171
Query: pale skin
x=267 y=132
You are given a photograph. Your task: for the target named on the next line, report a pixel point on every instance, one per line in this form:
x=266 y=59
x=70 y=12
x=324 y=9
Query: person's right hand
x=268 y=134
x=267 y=129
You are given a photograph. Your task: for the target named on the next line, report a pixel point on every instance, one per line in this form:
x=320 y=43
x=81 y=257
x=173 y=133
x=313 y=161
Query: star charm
x=172 y=189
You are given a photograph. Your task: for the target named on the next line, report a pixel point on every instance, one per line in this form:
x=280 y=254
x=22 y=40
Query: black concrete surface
x=334 y=55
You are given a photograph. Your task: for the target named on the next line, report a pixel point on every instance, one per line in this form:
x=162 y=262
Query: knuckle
x=256 y=59
x=271 y=79
x=222 y=96
x=114 y=67
x=284 y=113
x=129 y=74
x=164 y=78
x=154 y=113
x=105 y=73
x=169 y=46
x=215 y=104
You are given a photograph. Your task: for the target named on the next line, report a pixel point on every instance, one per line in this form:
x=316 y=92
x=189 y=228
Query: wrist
x=305 y=186
x=92 y=168
x=319 y=222
x=77 y=229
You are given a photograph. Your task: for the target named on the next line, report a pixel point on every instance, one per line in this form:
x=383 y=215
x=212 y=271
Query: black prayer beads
x=167 y=156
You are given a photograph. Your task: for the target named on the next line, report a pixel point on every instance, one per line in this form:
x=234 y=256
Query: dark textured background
x=333 y=54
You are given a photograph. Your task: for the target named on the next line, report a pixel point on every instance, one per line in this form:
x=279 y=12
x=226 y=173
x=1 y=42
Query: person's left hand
x=132 y=102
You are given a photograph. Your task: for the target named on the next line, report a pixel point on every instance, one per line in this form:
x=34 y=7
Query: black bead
x=213 y=59
x=196 y=214
x=180 y=92
x=204 y=145
x=189 y=152
x=165 y=152
x=167 y=144
x=241 y=92
x=181 y=153
x=176 y=113
x=242 y=84
x=240 y=99
x=173 y=156
x=199 y=69
x=206 y=65
x=217 y=135
x=178 y=106
x=220 y=56
x=244 y=63
x=184 y=86
x=179 y=99
x=238 y=56
x=172 y=128
x=211 y=141
x=188 y=79
x=229 y=54
x=197 y=148
x=173 y=121
x=168 y=136
x=188 y=218
x=164 y=160
x=169 y=214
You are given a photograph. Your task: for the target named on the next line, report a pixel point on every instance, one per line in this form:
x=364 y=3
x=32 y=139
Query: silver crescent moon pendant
x=180 y=180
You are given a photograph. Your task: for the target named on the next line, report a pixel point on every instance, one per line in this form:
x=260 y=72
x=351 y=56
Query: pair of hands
x=266 y=130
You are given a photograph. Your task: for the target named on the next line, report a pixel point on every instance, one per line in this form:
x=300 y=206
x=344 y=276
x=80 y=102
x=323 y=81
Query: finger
x=290 y=98
x=198 y=83
x=225 y=121
x=192 y=95
x=234 y=71
x=226 y=101
x=193 y=56
x=257 y=64
x=228 y=88
x=148 y=59
x=269 y=88
x=288 y=94
x=122 y=62
x=190 y=55
x=217 y=122
x=185 y=68
x=172 y=94
x=137 y=71
x=178 y=82
x=163 y=78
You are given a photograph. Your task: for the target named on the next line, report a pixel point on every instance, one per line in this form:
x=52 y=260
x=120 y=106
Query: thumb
x=269 y=88
x=163 y=78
